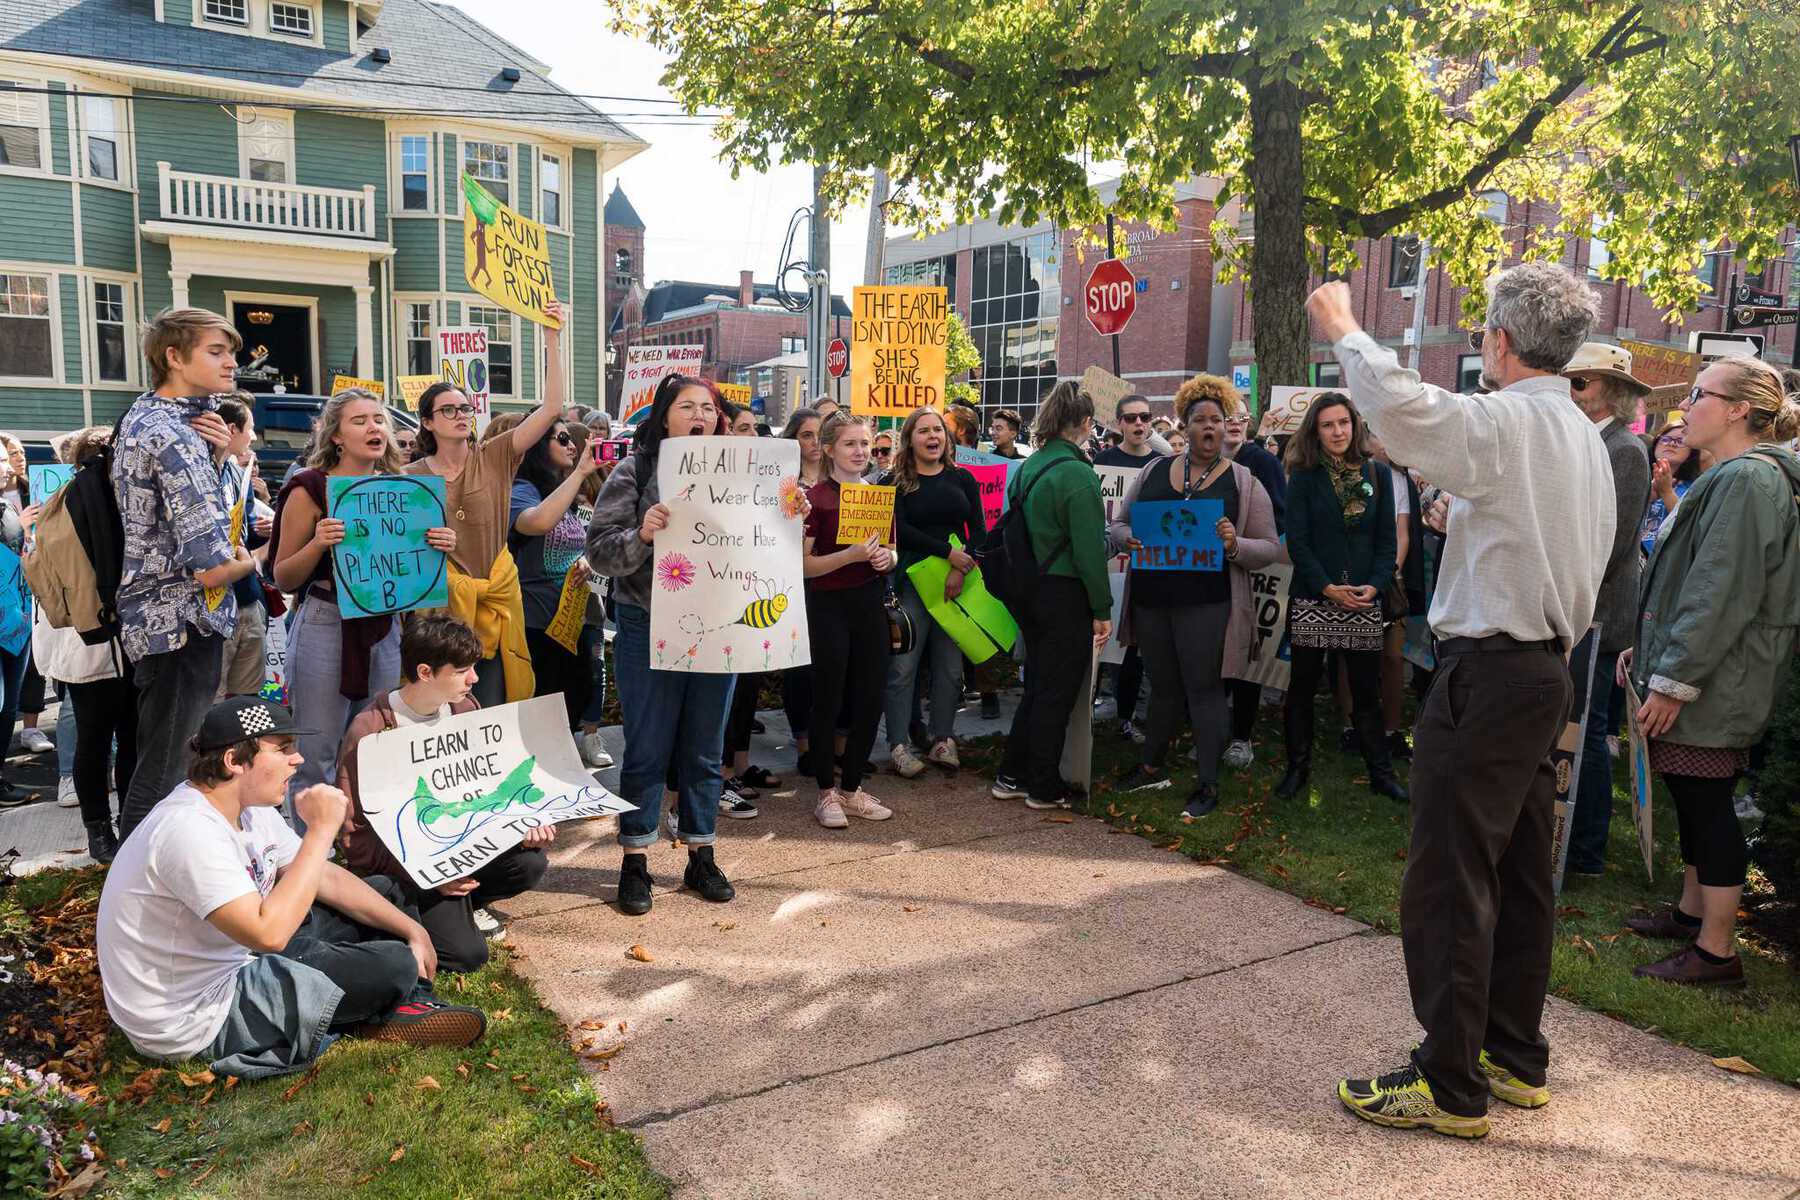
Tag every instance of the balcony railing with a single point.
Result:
(248, 203)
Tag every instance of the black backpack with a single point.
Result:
(1009, 564)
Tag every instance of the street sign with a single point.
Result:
(1756, 316)
(1726, 345)
(837, 358)
(1746, 294)
(1111, 297)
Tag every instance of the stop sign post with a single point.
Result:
(1110, 297)
(837, 358)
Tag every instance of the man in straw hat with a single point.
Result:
(1603, 387)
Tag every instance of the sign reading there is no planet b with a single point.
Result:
(384, 565)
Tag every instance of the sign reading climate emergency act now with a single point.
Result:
(898, 339)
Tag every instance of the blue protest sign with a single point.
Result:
(1178, 535)
(383, 564)
(15, 603)
(47, 479)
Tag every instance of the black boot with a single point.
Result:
(102, 844)
(703, 876)
(634, 885)
(1376, 755)
(1297, 724)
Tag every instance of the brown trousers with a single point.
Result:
(1477, 908)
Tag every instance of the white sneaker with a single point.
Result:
(35, 741)
(943, 754)
(65, 793)
(829, 812)
(1239, 755)
(593, 752)
(736, 807)
(860, 804)
(906, 764)
(489, 925)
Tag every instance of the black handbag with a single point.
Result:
(901, 634)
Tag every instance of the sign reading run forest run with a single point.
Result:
(384, 565)
(898, 343)
(506, 257)
(726, 592)
(450, 797)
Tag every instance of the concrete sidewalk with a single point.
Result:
(972, 1000)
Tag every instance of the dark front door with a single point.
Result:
(277, 347)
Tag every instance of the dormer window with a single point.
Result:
(294, 20)
(230, 12)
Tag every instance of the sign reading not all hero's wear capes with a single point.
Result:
(449, 797)
(726, 593)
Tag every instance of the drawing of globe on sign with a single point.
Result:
(384, 564)
(1179, 524)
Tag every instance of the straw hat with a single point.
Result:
(1608, 362)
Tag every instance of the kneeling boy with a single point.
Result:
(437, 670)
(223, 935)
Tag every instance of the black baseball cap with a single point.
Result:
(241, 718)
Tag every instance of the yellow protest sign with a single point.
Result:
(898, 338)
(865, 511)
(571, 613)
(342, 382)
(737, 393)
(412, 389)
(506, 257)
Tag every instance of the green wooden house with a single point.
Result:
(292, 164)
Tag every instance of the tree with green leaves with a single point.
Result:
(1334, 121)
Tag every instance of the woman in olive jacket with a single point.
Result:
(1719, 615)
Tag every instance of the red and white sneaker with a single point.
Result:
(424, 1020)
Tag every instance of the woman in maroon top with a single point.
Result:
(844, 593)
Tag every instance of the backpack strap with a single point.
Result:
(1792, 487)
(1025, 494)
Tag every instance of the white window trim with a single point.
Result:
(127, 151)
(397, 173)
(314, 19)
(486, 138)
(310, 303)
(257, 24)
(45, 169)
(402, 302)
(58, 375)
(568, 358)
(207, 18)
(565, 162)
(517, 366)
(247, 112)
(90, 324)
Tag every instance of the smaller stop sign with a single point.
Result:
(1110, 297)
(837, 357)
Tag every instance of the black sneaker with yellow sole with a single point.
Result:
(1402, 1100)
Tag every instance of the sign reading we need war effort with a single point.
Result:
(463, 364)
(645, 367)
(898, 340)
(726, 586)
(506, 257)
(384, 565)
(450, 797)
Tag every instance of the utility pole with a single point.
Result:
(1117, 370)
(875, 253)
(818, 280)
(1417, 357)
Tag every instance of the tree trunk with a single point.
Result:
(1278, 268)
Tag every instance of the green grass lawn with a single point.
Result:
(1341, 848)
(514, 1115)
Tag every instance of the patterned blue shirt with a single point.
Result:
(174, 513)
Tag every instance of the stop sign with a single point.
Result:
(1110, 297)
(837, 358)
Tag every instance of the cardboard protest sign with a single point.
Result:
(975, 620)
(1662, 366)
(506, 257)
(1287, 408)
(342, 383)
(275, 661)
(463, 364)
(645, 367)
(1107, 390)
(1639, 749)
(571, 613)
(992, 473)
(1270, 663)
(727, 594)
(865, 510)
(449, 797)
(1178, 535)
(47, 479)
(899, 337)
(383, 565)
(1565, 757)
(412, 389)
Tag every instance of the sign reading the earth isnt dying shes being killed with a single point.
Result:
(899, 340)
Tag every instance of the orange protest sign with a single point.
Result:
(898, 343)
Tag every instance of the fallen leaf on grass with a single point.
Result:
(162, 1126)
(1279, 871)
(638, 952)
(603, 1055)
(369, 1099)
(301, 1130)
(428, 1084)
(398, 1154)
(163, 1173)
(1586, 947)
(198, 1079)
(492, 1066)
(527, 1089)
(1059, 819)
(500, 1014)
(209, 1170)
(1737, 1065)
(294, 1089)
(206, 1097)
(1174, 845)
(83, 1183)
(724, 926)
(1610, 938)
(1569, 910)
(462, 1070)
(231, 1081)
(1400, 854)
(592, 1025)
(584, 1164)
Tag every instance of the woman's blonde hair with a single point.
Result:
(326, 454)
(1217, 388)
(906, 473)
(836, 424)
(1064, 408)
(1774, 415)
(504, 423)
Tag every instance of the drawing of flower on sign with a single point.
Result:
(675, 571)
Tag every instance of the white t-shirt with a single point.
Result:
(168, 974)
(404, 714)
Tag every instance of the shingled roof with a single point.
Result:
(430, 44)
(620, 212)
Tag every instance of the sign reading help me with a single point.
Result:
(449, 797)
(383, 565)
(1178, 535)
(726, 593)
(506, 257)
(898, 341)
(865, 510)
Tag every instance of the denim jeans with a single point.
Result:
(672, 718)
(903, 670)
(174, 692)
(1594, 790)
(315, 650)
(12, 690)
(593, 650)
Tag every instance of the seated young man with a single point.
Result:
(223, 935)
(437, 672)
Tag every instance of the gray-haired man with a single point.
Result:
(1529, 534)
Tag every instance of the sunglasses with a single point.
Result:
(1134, 418)
(882, 451)
(1579, 384)
(563, 439)
(453, 410)
(1476, 337)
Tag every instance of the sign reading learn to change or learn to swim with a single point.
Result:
(898, 341)
(726, 592)
(384, 565)
(449, 797)
(1178, 535)
(865, 510)
(506, 257)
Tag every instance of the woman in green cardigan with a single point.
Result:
(1341, 538)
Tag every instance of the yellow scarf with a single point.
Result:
(495, 608)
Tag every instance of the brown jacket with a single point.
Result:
(364, 851)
